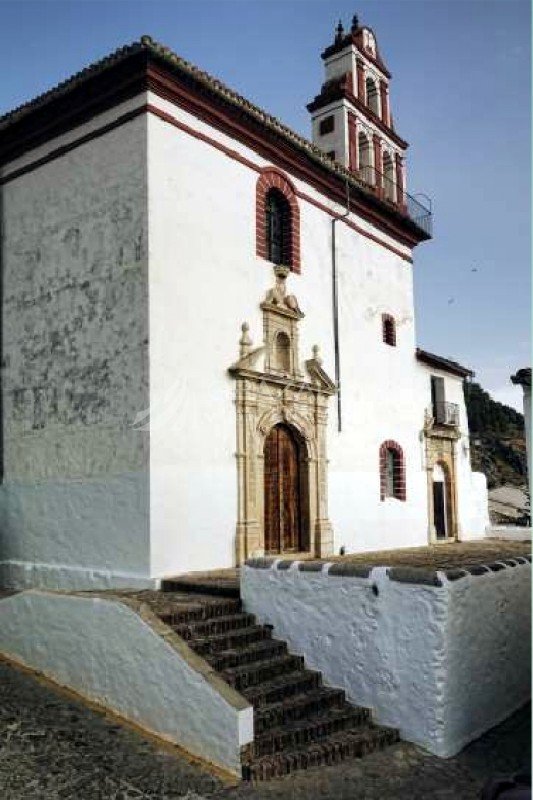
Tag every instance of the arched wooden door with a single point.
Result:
(283, 491)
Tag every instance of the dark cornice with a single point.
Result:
(445, 364)
(522, 377)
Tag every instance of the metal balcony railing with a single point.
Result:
(444, 413)
(393, 193)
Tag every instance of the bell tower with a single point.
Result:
(351, 117)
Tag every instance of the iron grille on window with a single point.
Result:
(278, 228)
(392, 475)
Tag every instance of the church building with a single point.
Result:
(209, 346)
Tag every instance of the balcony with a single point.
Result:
(394, 194)
(444, 413)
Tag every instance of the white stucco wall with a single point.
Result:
(205, 280)
(84, 316)
(411, 652)
(74, 499)
(106, 652)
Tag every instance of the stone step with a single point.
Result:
(283, 686)
(207, 627)
(218, 642)
(292, 735)
(338, 747)
(298, 722)
(257, 651)
(218, 588)
(178, 613)
(313, 703)
(260, 672)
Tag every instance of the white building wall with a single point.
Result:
(205, 280)
(74, 499)
(74, 503)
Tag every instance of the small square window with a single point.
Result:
(327, 125)
(331, 154)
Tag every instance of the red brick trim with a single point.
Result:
(246, 162)
(399, 470)
(388, 329)
(272, 178)
(169, 119)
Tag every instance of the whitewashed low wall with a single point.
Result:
(128, 661)
(442, 657)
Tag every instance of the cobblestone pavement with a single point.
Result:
(52, 747)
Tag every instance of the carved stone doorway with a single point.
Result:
(281, 437)
(286, 495)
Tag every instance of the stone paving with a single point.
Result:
(53, 746)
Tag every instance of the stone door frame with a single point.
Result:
(440, 446)
(264, 401)
(272, 388)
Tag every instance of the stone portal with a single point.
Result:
(281, 437)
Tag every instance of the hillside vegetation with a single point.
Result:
(497, 438)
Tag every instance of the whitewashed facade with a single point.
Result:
(131, 260)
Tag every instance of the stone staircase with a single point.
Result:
(298, 722)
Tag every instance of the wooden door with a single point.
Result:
(282, 491)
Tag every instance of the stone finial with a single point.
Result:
(355, 23)
(339, 32)
(316, 355)
(245, 342)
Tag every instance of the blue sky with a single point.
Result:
(461, 95)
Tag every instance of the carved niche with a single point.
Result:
(272, 388)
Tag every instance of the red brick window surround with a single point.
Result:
(388, 325)
(273, 180)
(392, 471)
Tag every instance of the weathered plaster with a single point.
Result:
(75, 363)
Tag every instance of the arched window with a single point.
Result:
(278, 227)
(365, 159)
(389, 329)
(392, 471)
(282, 352)
(372, 96)
(389, 188)
(277, 219)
